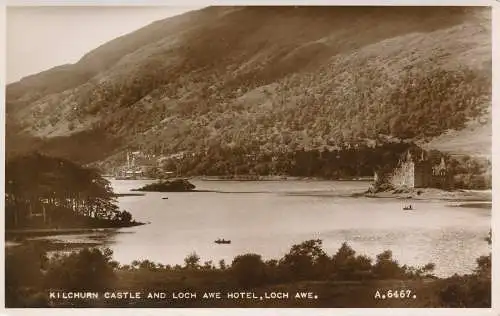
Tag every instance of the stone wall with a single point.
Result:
(423, 175)
(403, 176)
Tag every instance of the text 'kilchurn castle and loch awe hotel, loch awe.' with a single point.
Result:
(290, 156)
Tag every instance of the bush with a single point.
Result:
(23, 274)
(347, 266)
(88, 270)
(465, 291)
(387, 268)
(23, 266)
(147, 265)
(124, 216)
(94, 270)
(249, 270)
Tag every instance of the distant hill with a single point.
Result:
(270, 78)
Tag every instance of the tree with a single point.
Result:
(192, 261)
(473, 290)
(147, 265)
(304, 258)
(62, 191)
(249, 270)
(348, 266)
(387, 268)
(125, 216)
(222, 264)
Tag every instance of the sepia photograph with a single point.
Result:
(248, 156)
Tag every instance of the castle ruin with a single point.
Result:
(416, 173)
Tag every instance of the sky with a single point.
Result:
(39, 38)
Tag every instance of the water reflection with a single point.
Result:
(277, 215)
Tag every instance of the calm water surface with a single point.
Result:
(268, 217)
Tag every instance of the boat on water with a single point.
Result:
(408, 208)
(222, 241)
(164, 198)
(407, 205)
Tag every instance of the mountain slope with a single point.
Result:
(269, 78)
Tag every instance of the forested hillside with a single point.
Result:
(270, 79)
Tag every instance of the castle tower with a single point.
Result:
(408, 156)
(404, 175)
(442, 165)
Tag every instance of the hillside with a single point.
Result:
(264, 78)
(474, 139)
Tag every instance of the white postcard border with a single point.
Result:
(495, 310)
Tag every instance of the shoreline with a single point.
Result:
(14, 234)
(273, 178)
(427, 194)
(456, 198)
(128, 194)
(250, 178)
